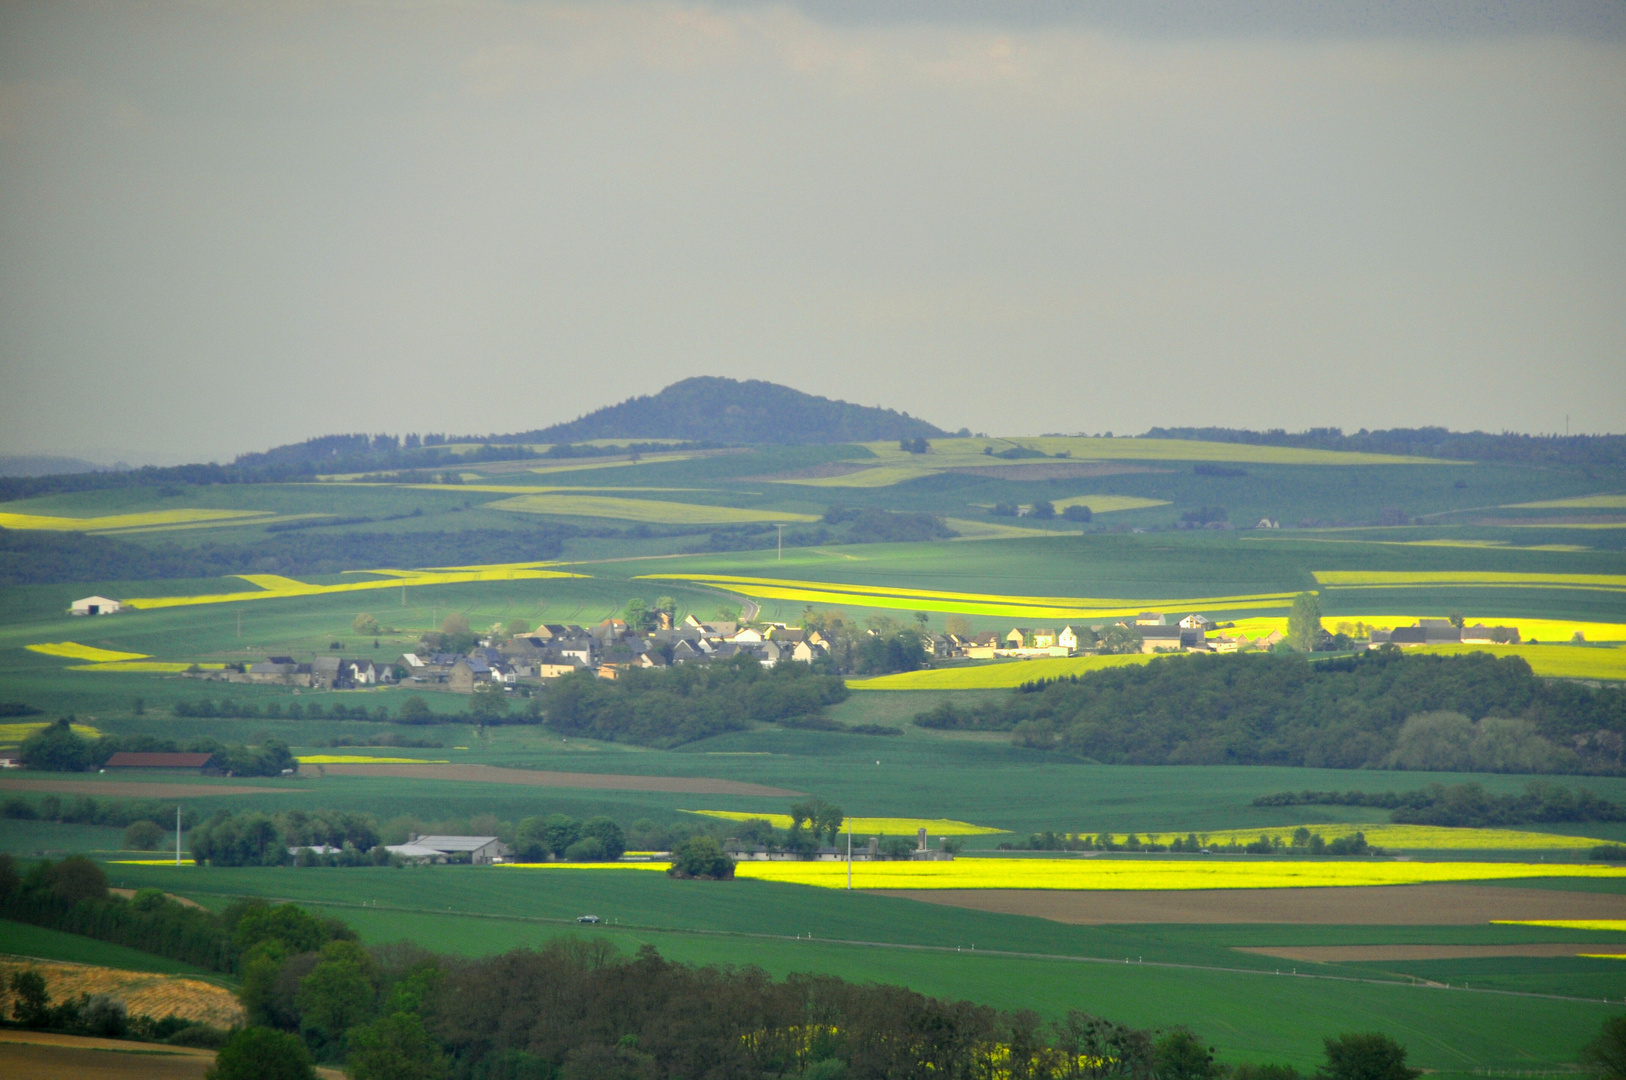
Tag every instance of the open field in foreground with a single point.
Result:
(1381, 905)
(487, 774)
(39, 1056)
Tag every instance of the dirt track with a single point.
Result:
(1379, 905)
(1338, 954)
(489, 774)
(154, 790)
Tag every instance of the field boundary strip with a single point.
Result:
(652, 511)
(71, 650)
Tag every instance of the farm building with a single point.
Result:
(202, 764)
(94, 605)
(481, 850)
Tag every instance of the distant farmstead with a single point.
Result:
(95, 605)
(124, 760)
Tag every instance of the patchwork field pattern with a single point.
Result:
(108, 522)
(651, 511)
(275, 586)
(1014, 607)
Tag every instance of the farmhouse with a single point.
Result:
(94, 605)
(201, 764)
(479, 850)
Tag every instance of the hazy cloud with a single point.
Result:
(228, 226)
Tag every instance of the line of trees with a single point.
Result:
(1467, 805)
(671, 706)
(1377, 709)
(56, 747)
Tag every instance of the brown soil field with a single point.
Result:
(490, 774)
(137, 788)
(143, 993)
(1337, 954)
(1375, 905)
(38, 1055)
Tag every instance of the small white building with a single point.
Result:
(1068, 638)
(95, 605)
(1196, 622)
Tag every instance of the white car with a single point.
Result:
(588, 919)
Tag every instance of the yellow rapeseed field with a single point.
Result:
(996, 676)
(74, 651)
(1404, 837)
(1398, 579)
(275, 586)
(1551, 661)
(352, 759)
(12, 734)
(1158, 874)
(147, 667)
(653, 511)
(1054, 608)
(868, 826)
(1609, 925)
(124, 521)
(1581, 502)
(1106, 504)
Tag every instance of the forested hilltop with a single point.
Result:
(726, 410)
(1508, 447)
(1380, 709)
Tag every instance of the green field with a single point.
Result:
(20, 939)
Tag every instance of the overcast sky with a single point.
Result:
(225, 226)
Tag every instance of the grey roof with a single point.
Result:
(453, 843)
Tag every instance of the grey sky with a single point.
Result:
(226, 226)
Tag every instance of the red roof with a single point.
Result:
(126, 760)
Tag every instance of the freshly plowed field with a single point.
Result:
(1349, 954)
(135, 788)
(1378, 905)
(143, 993)
(487, 774)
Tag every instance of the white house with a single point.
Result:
(95, 605)
(1151, 618)
(747, 636)
(1067, 639)
(1196, 622)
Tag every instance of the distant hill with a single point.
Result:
(42, 465)
(712, 409)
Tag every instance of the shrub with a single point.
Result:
(143, 835)
(701, 857)
(1369, 1055)
(55, 748)
(257, 1053)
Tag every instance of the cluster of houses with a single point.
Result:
(871, 851)
(608, 649)
(1154, 629)
(1444, 631)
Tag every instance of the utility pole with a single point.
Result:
(849, 854)
(239, 625)
(781, 529)
(178, 837)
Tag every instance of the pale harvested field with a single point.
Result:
(143, 993)
(1349, 954)
(1376, 905)
(156, 790)
(183, 901)
(1056, 471)
(489, 774)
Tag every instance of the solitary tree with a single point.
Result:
(258, 1053)
(1304, 622)
(1367, 1055)
(1606, 1056)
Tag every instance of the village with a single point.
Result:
(528, 658)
